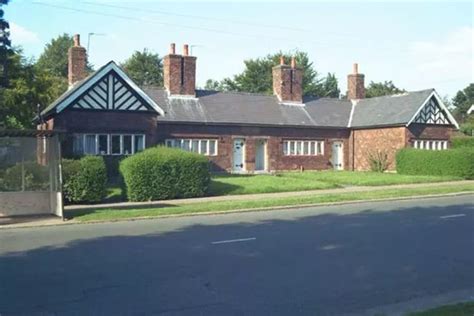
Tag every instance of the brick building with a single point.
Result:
(107, 114)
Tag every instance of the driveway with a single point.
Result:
(346, 259)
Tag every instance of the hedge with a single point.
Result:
(462, 141)
(164, 173)
(454, 162)
(84, 180)
(36, 177)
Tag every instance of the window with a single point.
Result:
(303, 148)
(90, 147)
(103, 144)
(430, 144)
(206, 147)
(116, 146)
(107, 144)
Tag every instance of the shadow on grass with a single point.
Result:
(327, 264)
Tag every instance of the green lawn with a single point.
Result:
(295, 181)
(200, 207)
(462, 309)
(310, 180)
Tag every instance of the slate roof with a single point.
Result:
(395, 109)
(214, 107)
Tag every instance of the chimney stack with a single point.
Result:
(355, 84)
(288, 82)
(77, 61)
(179, 72)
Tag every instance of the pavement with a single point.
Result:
(355, 259)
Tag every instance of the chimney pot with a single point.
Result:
(282, 60)
(77, 40)
(355, 68)
(185, 50)
(293, 62)
(172, 48)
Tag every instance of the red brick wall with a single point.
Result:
(274, 137)
(367, 141)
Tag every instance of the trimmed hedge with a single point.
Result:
(462, 141)
(36, 177)
(454, 162)
(164, 173)
(84, 180)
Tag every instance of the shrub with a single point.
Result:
(35, 177)
(164, 173)
(84, 180)
(454, 162)
(462, 141)
(378, 161)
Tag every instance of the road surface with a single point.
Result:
(336, 260)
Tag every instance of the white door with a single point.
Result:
(260, 155)
(238, 156)
(338, 155)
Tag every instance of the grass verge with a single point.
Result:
(201, 207)
(461, 309)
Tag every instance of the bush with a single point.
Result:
(36, 177)
(454, 162)
(164, 173)
(378, 161)
(462, 141)
(84, 180)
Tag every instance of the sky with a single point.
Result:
(417, 45)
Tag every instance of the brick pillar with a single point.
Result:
(179, 72)
(288, 82)
(77, 61)
(355, 85)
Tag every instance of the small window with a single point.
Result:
(445, 145)
(103, 144)
(212, 147)
(127, 145)
(306, 148)
(298, 148)
(312, 150)
(169, 143)
(90, 147)
(78, 144)
(292, 148)
(195, 145)
(203, 147)
(186, 144)
(320, 148)
(139, 143)
(285, 148)
(116, 145)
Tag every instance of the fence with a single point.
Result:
(30, 175)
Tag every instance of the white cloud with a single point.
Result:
(447, 59)
(20, 35)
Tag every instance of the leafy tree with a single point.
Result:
(213, 85)
(257, 77)
(145, 68)
(5, 46)
(377, 89)
(54, 58)
(464, 99)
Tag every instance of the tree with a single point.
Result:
(5, 46)
(257, 77)
(54, 58)
(463, 100)
(377, 89)
(145, 68)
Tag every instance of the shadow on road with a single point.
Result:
(320, 264)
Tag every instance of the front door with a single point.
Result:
(238, 155)
(338, 155)
(260, 155)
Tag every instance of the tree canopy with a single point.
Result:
(378, 89)
(464, 99)
(257, 77)
(145, 68)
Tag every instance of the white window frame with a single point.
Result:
(318, 144)
(98, 144)
(436, 144)
(179, 143)
(111, 145)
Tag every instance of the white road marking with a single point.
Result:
(452, 216)
(232, 240)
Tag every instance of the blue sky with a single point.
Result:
(418, 45)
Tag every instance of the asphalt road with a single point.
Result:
(336, 260)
